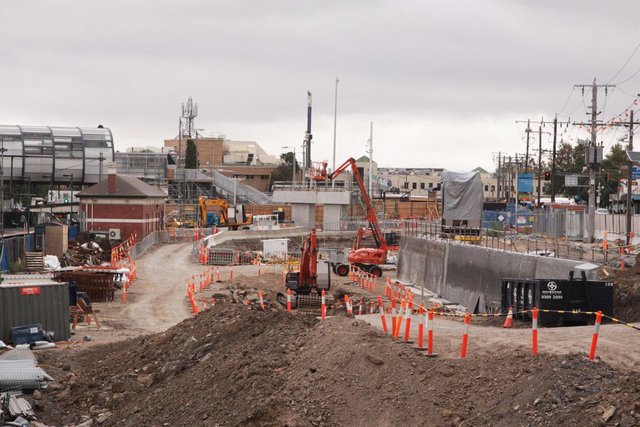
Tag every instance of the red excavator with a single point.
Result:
(367, 259)
(307, 284)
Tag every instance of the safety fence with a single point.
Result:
(122, 261)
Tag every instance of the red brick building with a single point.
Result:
(122, 203)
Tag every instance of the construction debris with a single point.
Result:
(87, 253)
(18, 371)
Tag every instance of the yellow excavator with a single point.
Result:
(216, 212)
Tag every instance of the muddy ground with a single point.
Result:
(153, 363)
(236, 365)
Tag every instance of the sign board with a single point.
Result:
(525, 183)
(635, 172)
(31, 290)
(571, 180)
(521, 220)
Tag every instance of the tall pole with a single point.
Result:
(539, 161)
(371, 159)
(593, 169)
(553, 159)
(335, 125)
(629, 181)
(498, 175)
(526, 163)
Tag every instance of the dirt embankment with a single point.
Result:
(235, 365)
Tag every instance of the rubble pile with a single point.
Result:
(236, 365)
(86, 253)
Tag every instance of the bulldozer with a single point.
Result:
(307, 284)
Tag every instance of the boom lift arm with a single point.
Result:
(367, 259)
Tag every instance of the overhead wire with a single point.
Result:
(625, 63)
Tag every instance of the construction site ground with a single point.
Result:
(154, 363)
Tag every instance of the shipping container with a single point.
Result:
(33, 302)
(572, 295)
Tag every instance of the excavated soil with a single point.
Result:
(235, 365)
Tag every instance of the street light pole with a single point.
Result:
(335, 124)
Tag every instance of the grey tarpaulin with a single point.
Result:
(462, 196)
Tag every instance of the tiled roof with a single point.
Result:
(126, 186)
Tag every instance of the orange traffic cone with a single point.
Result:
(508, 322)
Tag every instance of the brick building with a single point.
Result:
(122, 203)
(244, 160)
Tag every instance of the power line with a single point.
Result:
(625, 63)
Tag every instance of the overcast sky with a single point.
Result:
(443, 82)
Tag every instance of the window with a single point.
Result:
(493, 188)
(249, 176)
(486, 188)
(430, 185)
(422, 185)
(406, 185)
(414, 185)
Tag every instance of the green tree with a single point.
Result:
(569, 161)
(614, 169)
(284, 172)
(191, 156)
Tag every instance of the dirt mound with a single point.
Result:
(626, 298)
(234, 365)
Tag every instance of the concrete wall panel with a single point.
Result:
(471, 275)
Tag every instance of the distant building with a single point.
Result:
(244, 160)
(422, 181)
(123, 205)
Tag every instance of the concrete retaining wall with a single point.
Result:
(471, 275)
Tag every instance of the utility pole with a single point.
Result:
(528, 131)
(629, 215)
(594, 156)
(371, 159)
(539, 162)
(553, 159)
(629, 180)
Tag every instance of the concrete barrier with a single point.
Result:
(471, 275)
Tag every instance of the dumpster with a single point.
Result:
(574, 295)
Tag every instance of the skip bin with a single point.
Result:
(46, 303)
(574, 296)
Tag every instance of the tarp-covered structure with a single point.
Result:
(462, 196)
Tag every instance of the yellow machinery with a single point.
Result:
(217, 211)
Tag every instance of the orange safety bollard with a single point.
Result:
(387, 288)
(393, 316)
(430, 319)
(630, 242)
(382, 316)
(534, 331)
(323, 305)
(218, 277)
(231, 274)
(596, 332)
(396, 332)
(259, 270)
(204, 303)
(423, 318)
(289, 300)
(360, 307)
(213, 301)
(124, 295)
(261, 300)
(465, 336)
(407, 322)
(347, 304)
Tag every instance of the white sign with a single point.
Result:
(571, 180)
(500, 218)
